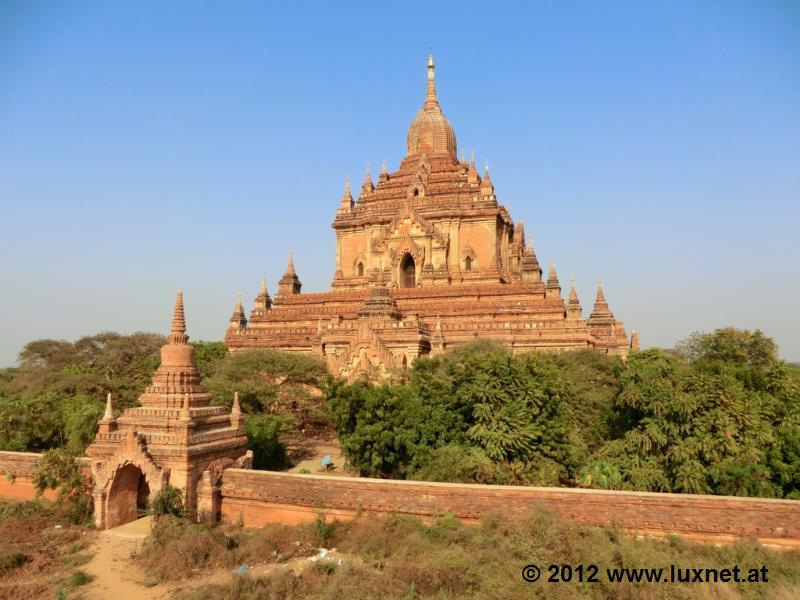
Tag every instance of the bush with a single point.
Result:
(10, 560)
(262, 438)
(177, 548)
(79, 578)
(57, 470)
(168, 501)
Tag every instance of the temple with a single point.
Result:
(175, 437)
(426, 259)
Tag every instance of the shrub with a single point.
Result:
(168, 501)
(10, 560)
(262, 438)
(79, 578)
(57, 470)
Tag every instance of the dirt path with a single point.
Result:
(114, 574)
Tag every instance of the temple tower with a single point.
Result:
(172, 438)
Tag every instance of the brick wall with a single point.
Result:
(259, 497)
(16, 476)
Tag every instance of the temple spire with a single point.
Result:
(367, 186)
(430, 98)
(289, 284)
(601, 314)
(487, 189)
(262, 303)
(573, 304)
(237, 418)
(472, 172)
(178, 333)
(238, 320)
(553, 287)
(109, 414)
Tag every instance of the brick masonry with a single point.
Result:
(17, 470)
(258, 497)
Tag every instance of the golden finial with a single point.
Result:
(431, 96)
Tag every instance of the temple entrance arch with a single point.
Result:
(127, 495)
(408, 272)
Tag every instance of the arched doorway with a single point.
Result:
(408, 272)
(127, 495)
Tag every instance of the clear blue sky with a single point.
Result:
(151, 146)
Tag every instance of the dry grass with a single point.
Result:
(399, 557)
(38, 550)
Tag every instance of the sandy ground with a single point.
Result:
(311, 451)
(115, 575)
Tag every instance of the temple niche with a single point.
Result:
(426, 259)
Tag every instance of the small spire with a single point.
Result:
(109, 414)
(463, 159)
(430, 99)
(438, 323)
(553, 287)
(238, 320)
(263, 291)
(178, 333)
(551, 275)
(367, 187)
(186, 413)
(383, 168)
(486, 170)
(600, 296)
(236, 409)
(472, 161)
(600, 311)
(347, 187)
(573, 304)
(290, 266)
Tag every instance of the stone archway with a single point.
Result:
(408, 272)
(127, 495)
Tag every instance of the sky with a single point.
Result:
(147, 147)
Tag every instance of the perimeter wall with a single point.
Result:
(258, 497)
(255, 498)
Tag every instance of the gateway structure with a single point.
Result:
(426, 259)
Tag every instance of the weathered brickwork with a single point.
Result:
(427, 259)
(172, 438)
(17, 470)
(259, 497)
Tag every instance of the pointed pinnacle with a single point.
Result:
(109, 414)
(178, 317)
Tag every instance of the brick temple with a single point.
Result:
(175, 437)
(426, 259)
